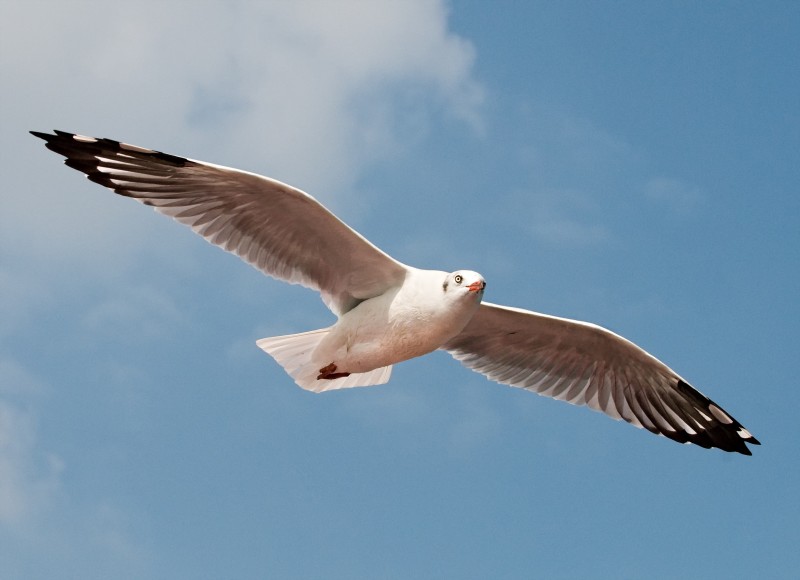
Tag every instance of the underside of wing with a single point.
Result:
(585, 364)
(280, 230)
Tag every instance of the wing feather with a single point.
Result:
(280, 230)
(585, 364)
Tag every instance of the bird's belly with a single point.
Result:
(373, 340)
(396, 345)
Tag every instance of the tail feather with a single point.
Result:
(294, 352)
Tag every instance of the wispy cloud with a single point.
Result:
(28, 477)
(560, 217)
(287, 93)
(21, 294)
(137, 312)
(675, 195)
(574, 171)
(311, 93)
(44, 530)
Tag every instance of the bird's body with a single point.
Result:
(406, 321)
(389, 312)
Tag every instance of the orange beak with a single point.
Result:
(476, 286)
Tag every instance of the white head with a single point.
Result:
(464, 283)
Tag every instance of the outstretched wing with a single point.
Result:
(585, 364)
(280, 230)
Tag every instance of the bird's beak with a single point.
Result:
(477, 286)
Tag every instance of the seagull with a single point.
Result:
(388, 312)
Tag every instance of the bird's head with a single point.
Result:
(464, 283)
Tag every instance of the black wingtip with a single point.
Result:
(40, 135)
(66, 143)
(723, 432)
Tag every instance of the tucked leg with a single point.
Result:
(329, 373)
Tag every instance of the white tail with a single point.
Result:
(294, 352)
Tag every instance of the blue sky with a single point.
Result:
(631, 164)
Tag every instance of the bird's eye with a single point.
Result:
(459, 278)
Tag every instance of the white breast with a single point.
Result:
(409, 321)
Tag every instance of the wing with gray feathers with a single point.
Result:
(280, 230)
(585, 364)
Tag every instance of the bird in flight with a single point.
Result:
(389, 312)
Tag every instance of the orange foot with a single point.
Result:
(329, 373)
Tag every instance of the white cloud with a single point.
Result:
(322, 87)
(306, 91)
(309, 92)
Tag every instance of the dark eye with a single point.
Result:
(458, 278)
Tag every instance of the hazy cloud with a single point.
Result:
(675, 195)
(309, 92)
(136, 312)
(20, 295)
(561, 217)
(305, 91)
(26, 487)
